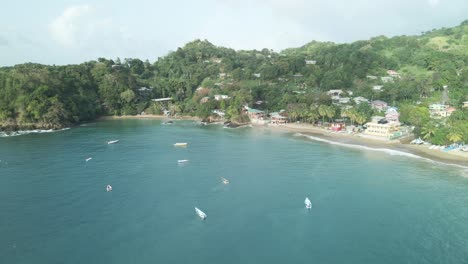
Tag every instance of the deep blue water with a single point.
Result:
(368, 207)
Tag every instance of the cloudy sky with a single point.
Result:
(73, 31)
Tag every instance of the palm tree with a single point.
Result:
(454, 136)
(312, 115)
(330, 112)
(361, 119)
(428, 131)
(322, 110)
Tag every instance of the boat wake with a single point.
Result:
(26, 132)
(383, 150)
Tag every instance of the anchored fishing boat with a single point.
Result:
(200, 213)
(307, 203)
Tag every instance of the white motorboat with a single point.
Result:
(182, 161)
(112, 142)
(88, 159)
(200, 213)
(225, 181)
(109, 188)
(307, 203)
(181, 144)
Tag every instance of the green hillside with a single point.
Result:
(296, 79)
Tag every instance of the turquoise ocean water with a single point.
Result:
(368, 207)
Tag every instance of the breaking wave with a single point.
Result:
(383, 150)
(26, 132)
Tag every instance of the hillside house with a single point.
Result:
(379, 105)
(204, 99)
(465, 104)
(219, 97)
(393, 73)
(371, 77)
(310, 62)
(377, 87)
(392, 114)
(386, 79)
(360, 99)
(336, 92)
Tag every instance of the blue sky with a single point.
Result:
(65, 32)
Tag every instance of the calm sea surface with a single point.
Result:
(368, 207)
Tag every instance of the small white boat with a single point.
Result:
(307, 203)
(112, 142)
(109, 188)
(225, 181)
(184, 144)
(200, 213)
(182, 161)
(88, 159)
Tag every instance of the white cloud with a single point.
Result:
(77, 25)
(433, 3)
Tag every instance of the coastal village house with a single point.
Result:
(377, 87)
(360, 99)
(278, 119)
(202, 91)
(393, 73)
(386, 79)
(379, 105)
(384, 130)
(465, 104)
(310, 62)
(371, 77)
(255, 114)
(337, 92)
(392, 114)
(440, 110)
(204, 99)
(219, 97)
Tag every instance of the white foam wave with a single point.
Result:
(26, 132)
(384, 150)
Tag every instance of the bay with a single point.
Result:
(368, 207)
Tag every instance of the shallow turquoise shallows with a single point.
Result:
(367, 206)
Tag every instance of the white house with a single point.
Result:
(344, 100)
(257, 75)
(360, 99)
(377, 87)
(310, 62)
(336, 92)
(219, 97)
(386, 79)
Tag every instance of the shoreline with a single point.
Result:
(453, 157)
(157, 117)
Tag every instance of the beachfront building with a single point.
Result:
(255, 114)
(360, 99)
(392, 114)
(379, 105)
(278, 119)
(219, 97)
(386, 130)
(219, 112)
(337, 127)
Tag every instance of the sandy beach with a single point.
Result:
(452, 157)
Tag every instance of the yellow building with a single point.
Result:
(388, 130)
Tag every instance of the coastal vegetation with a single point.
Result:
(432, 67)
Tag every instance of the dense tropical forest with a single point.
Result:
(296, 79)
